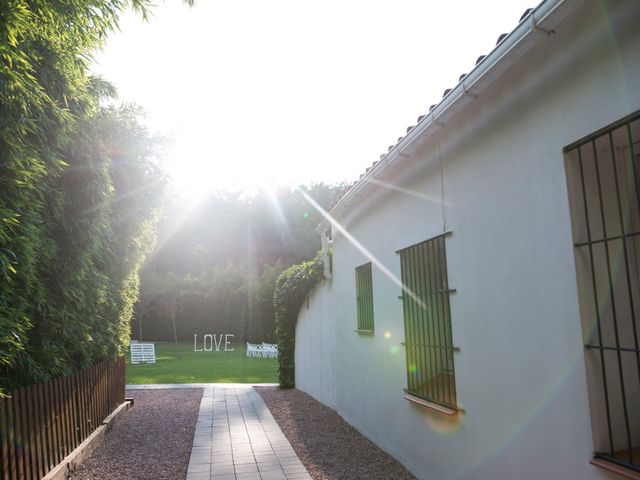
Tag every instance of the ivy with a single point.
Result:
(292, 288)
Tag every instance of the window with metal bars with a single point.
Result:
(603, 179)
(364, 297)
(427, 323)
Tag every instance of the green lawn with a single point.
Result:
(180, 364)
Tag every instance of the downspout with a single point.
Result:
(326, 255)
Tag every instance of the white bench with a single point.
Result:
(143, 353)
(264, 350)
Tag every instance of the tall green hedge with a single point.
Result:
(68, 300)
(292, 288)
(78, 189)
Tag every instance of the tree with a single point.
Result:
(225, 258)
(69, 248)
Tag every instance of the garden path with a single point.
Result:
(237, 438)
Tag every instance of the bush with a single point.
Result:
(292, 288)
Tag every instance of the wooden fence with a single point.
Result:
(41, 424)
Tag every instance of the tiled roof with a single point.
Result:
(446, 92)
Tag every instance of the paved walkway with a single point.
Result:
(236, 438)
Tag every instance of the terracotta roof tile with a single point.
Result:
(448, 90)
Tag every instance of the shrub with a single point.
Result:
(292, 288)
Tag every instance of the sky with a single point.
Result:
(255, 94)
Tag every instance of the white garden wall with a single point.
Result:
(520, 371)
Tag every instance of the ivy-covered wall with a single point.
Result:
(292, 288)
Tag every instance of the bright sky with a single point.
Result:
(256, 93)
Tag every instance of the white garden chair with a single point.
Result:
(269, 350)
(264, 350)
(252, 350)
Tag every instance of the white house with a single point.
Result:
(510, 213)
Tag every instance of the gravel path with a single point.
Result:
(151, 441)
(328, 447)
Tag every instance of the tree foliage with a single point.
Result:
(292, 288)
(78, 187)
(226, 299)
(251, 230)
(215, 269)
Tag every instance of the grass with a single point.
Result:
(180, 364)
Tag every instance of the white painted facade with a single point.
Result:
(493, 175)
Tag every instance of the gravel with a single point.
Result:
(328, 446)
(150, 441)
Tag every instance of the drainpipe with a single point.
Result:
(326, 261)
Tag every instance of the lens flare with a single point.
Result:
(444, 424)
(413, 193)
(373, 259)
(272, 198)
(394, 350)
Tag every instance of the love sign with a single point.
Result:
(213, 340)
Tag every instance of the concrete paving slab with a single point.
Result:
(237, 438)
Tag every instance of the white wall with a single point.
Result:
(520, 371)
(315, 353)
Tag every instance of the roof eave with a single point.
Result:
(531, 30)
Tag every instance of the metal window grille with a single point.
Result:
(364, 297)
(603, 178)
(427, 322)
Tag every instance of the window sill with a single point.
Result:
(364, 332)
(615, 468)
(433, 406)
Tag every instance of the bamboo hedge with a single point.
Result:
(79, 190)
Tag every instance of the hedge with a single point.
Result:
(292, 288)
(78, 190)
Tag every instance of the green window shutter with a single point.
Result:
(427, 322)
(364, 297)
